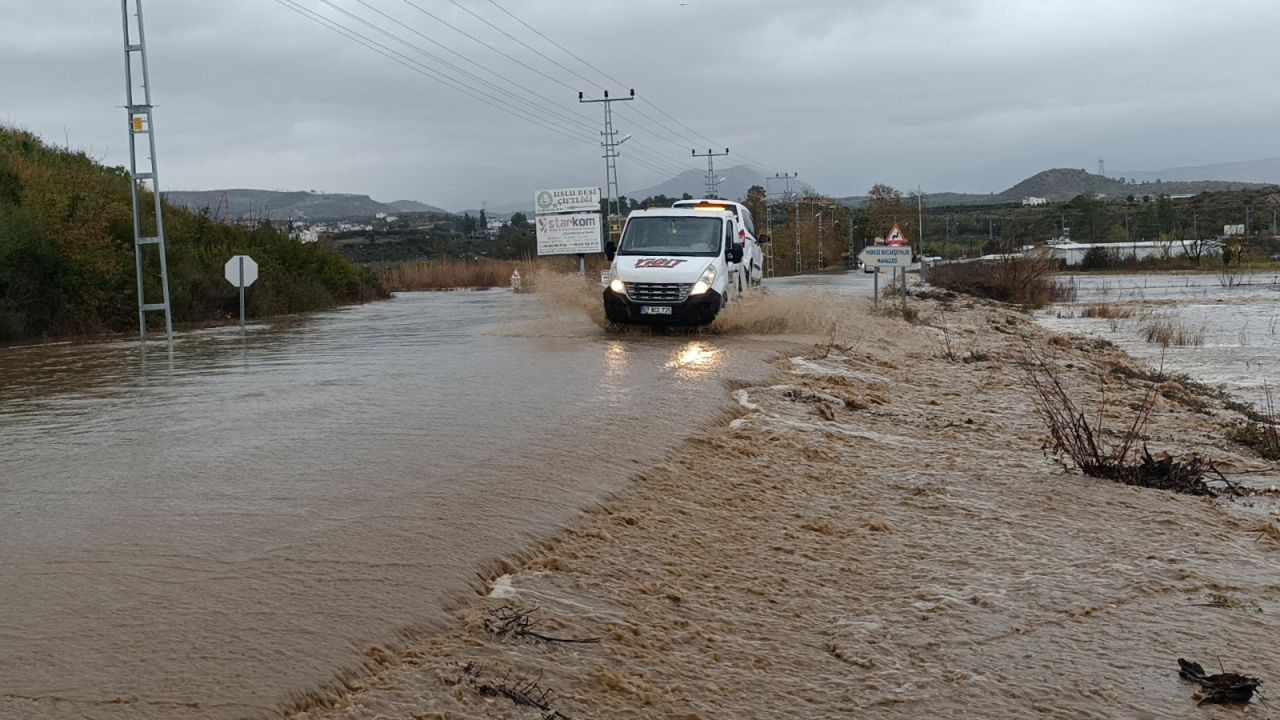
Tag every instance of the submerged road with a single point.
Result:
(215, 531)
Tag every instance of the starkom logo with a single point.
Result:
(565, 222)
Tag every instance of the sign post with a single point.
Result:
(241, 271)
(569, 223)
(890, 256)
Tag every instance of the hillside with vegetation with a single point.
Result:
(244, 204)
(67, 258)
(1064, 184)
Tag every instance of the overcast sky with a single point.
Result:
(946, 94)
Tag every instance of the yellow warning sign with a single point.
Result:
(137, 124)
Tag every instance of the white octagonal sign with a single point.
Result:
(233, 270)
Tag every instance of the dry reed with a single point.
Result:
(1167, 331)
(1098, 452)
(1022, 280)
(1108, 311)
(453, 274)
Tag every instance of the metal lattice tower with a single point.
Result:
(713, 182)
(787, 177)
(140, 123)
(610, 144)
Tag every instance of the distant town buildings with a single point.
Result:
(1032, 200)
(1073, 253)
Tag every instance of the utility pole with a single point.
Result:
(920, 220)
(818, 216)
(799, 266)
(768, 217)
(610, 144)
(140, 123)
(713, 183)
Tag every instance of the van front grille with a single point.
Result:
(658, 292)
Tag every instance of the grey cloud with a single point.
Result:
(967, 96)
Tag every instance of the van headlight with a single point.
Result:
(705, 282)
(618, 286)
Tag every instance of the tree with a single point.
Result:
(1148, 225)
(884, 209)
(1093, 218)
(1166, 215)
(755, 202)
(519, 220)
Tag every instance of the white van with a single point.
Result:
(747, 238)
(674, 266)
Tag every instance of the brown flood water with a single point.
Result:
(217, 531)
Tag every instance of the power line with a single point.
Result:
(646, 101)
(550, 106)
(459, 30)
(421, 68)
(550, 109)
(524, 44)
(640, 153)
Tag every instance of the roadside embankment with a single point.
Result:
(875, 533)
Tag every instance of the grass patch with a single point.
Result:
(1171, 332)
(455, 274)
(448, 274)
(1107, 311)
(1259, 432)
(1027, 281)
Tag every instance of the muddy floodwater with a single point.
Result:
(1230, 335)
(215, 531)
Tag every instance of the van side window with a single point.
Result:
(750, 221)
(728, 234)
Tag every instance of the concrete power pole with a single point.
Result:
(141, 123)
(610, 144)
(713, 183)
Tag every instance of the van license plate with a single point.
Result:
(655, 309)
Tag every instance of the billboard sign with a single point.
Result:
(568, 200)
(574, 234)
(1232, 230)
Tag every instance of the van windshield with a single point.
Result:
(672, 236)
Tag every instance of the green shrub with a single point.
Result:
(1027, 281)
(67, 257)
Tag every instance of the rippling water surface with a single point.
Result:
(209, 532)
(1239, 327)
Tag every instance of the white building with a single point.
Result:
(1072, 253)
(1032, 200)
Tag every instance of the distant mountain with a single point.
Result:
(737, 181)
(413, 206)
(243, 204)
(1265, 171)
(1062, 184)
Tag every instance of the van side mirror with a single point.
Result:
(735, 254)
(763, 240)
(610, 250)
